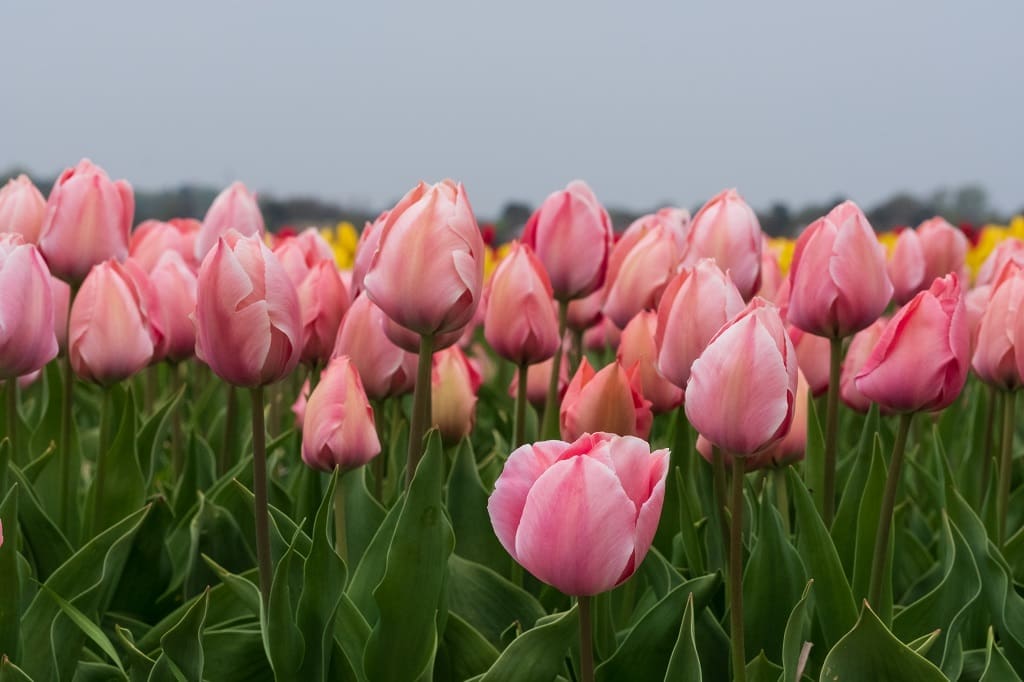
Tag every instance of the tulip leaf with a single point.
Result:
(467, 505)
(997, 668)
(183, 644)
(795, 646)
(12, 673)
(487, 601)
(10, 593)
(844, 525)
(370, 569)
(538, 654)
(867, 529)
(363, 514)
(239, 655)
(814, 455)
(89, 628)
(684, 662)
(121, 487)
(760, 669)
(139, 664)
(154, 431)
(43, 540)
(282, 639)
(464, 652)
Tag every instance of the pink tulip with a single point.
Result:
(906, 267)
(861, 345)
(637, 348)
(175, 283)
(87, 221)
(521, 320)
(151, 307)
(638, 273)
(338, 431)
(303, 252)
(369, 240)
(454, 383)
(235, 208)
(944, 248)
(602, 336)
(299, 406)
(695, 305)
(427, 272)
(771, 275)
(813, 355)
(323, 301)
(571, 234)
(920, 362)
(675, 220)
(975, 302)
(385, 369)
(1008, 251)
(248, 322)
(580, 517)
(608, 400)
(22, 208)
(839, 282)
(152, 238)
(537, 379)
(995, 358)
(61, 309)
(27, 339)
(726, 230)
(584, 313)
(110, 335)
(409, 341)
(742, 390)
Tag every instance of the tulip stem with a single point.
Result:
(519, 437)
(259, 489)
(177, 451)
(576, 346)
(99, 482)
(986, 460)
(892, 482)
(1005, 465)
(230, 424)
(549, 424)
(718, 468)
(340, 530)
(421, 408)
(68, 488)
(739, 661)
(782, 496)
(586, 640)
(831, 432)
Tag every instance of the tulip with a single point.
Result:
(771, 275)
(608, 400)
(1005, 252)
(521, 321)
(454, 383)
(385, 369)
(638, 348)
(812, 357)
(61, 307)
(906, 267)
(175, 283)
(726, 230)
(299, 406)
(88, 218)
(248, 322)
(639, 272)
(995, 359)
(235, 208)
(602, 336)
(22, 208)
(323, 300)
(409, 340)
(303, 252)
(861, 345)
(338, 430)
(152, 238)
(584, 313)
(27, 339)
(537, 379)
(151, 307)
(975, 302)
(944, 248)
(369, 240)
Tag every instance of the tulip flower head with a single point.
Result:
(338, 430)
(27, 339)
(22, 208)
(454, 384)
(385, 369)
(152, 238)
(236, 209)
(521, 321)
(638, 348)
(861, 345)
(726, 230)
(997, 358)
(607, 400)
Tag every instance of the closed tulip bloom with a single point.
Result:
(236, 209)
(408, 340)
(521, 321)
(906, 267)
(427, 272)
(638, 274)
(602, 336)
(338, 431)
(110, 337)
(1009, 250)
(580, 517)
(637, 348)
(151, 307)
(537, 379)
(22, 208)
(299, 406)
(248, 322)
(152, 238)
(301, 253)
(944, 247)
(61, 307)
(584, 313)
(995, 358)
(323, 301)
(608, 400)
(812, 357)
(742, 390)
(726, 230)
(88, 218)
(27, 339)
(385, 369)
(771, 275)
(175, 283)
(920, 362)
(839, 281)
(369, 240)
(454, 383)
(695, 305)
(975, 302)
(571, 233)
(861, 345)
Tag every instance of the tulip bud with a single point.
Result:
(454, 383)
(584, 313)
(813, 357)
(537, 379)
(975, 302)
(906, 267)
(726, 230)
(521, 321)
(175, 283)
(236, 209)
(27, 339)
(944, 248)
(152, 238)
(151, 307)
(638, 272)
(385, 369)
(771, 275)
(1009, 250)
(323, 301)
(61, 307)
(22, 208)
(995, 359)
(301, 253)
(338, 430)
(608, 400)
(369, 240)
(637, 348)
(602, 336)
(861, 345)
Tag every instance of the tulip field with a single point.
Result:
(681, 452)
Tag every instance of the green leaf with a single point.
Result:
(465, 653)
(487, 601)
(282, 639)
(688, 528)
(240, 656)
(350, 634)
(183, 644)
(10, 593)
(814, 455)
(537, 654)
(923, 644)
(997, 668)
(245, 588)
(684, 663)
(760, 669)
(370, 569)
(139, 664)
(794, 642)
(154, 431)
(363, 514)
(91, 630)
(43, 540)
(12, 673)
(122, 488)
(867, 528)
(467, 505)
(844, 525)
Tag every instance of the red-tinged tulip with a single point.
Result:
(301, 253)
(88, 218)
(537, 379)
(110, 336)
(22, 208)
(323, 301)
(945, 249)
(920, 362)
(695, 305)
(152, 238)
(1008, 251)
(571, 234)
(861, 345)
(726, 230)
(427, 272)
(385, 369)
(975, 302)
(602, 336)
(338, 430)
(521, 320)
(813, 354)
(248, 322)
(454, 383)
(839, 281)
(608, 400)
(584, 313)
(906, 267)
(639, 273)
(236, 209)
(742, 390)
(580, 517)
(175, 284)
(637, 348)
(61, 307)
(27, 339)
(995, 358)
(369, 240)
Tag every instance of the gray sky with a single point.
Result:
(648, 101)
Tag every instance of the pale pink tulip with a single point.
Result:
(813, 355)
(454, 383)
(385, 369)
(861, 345)
(27, 339)
(369, 240)
(944, 248)
(152, 238)
(996, 357)
(906, 267)
(584, 313)
(303, 252)
(235, 208)
(323, 301)
(175, 283)
(1008, 251)
(639, 273)
(338, 430)
(22, 208)
(521, 320)
(726, 230)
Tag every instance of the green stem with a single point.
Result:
(68, 476)
(986, 460)
(549, 424)
(718, 468)
(880, 558)
(12, 416)
(230, 424)
(576, 350)
(177, 438)
(99, 483)
(1005, 465)
(739, 661)
(682, 456)
(782, 496)
(259, 489)
(586, 640)
(421, 408)
(519, 437)
(831, 432)
(340, 530)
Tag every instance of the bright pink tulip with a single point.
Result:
(813, 355)
(1008, 251)
(386, 369)
(608, 400)
(88, 218)
(996, 358)
(695, 305)
(639, 273)
(906, 267)
(742, 390)
(369, 240)
(726, 230)
(22, 208)
(323, 301)
(152, 238)
(61, 308)
(27, 339)
(537, 379)
(248, 322)
(521, 320)
(110, 336)
(454, 383)
(175, 284)
(944, 247)
(428, 270)
(584, 313)
(861, 345)
(571, 234)
(839, 282)
(303, 252)
(580, 516)
(235, 208)
(338, 430)
(920, 362)
(637, 348)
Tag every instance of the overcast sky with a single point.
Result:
(356, 100)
